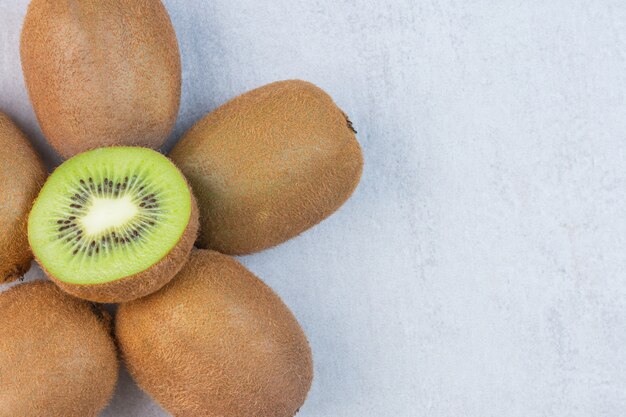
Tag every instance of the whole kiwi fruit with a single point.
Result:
(268, 165)
(113, 224)
(216, 342)
(101, 72)
(22, 174)
(57, 355)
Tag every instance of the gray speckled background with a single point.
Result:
(480, 268)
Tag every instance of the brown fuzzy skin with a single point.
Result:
(101, 72)
(22, 175)
(216, 342)
(145, 282)
(57, 358)
(268, 165)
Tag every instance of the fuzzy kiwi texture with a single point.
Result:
(57, 355)
(22, 174)
(216, 342)
(113, 224)
(101, 72)
(268, 165)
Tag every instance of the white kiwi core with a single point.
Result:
(107, 213)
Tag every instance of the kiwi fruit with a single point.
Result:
(57, 355)
(268, 165)
(101, 72)
(22, 174)
(113, 224)
(216, 342)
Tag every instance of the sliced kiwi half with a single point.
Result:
(113, 224)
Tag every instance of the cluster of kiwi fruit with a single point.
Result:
(118, 222)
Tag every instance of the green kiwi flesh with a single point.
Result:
(216, 342)
(57, 355)
(113, 215)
